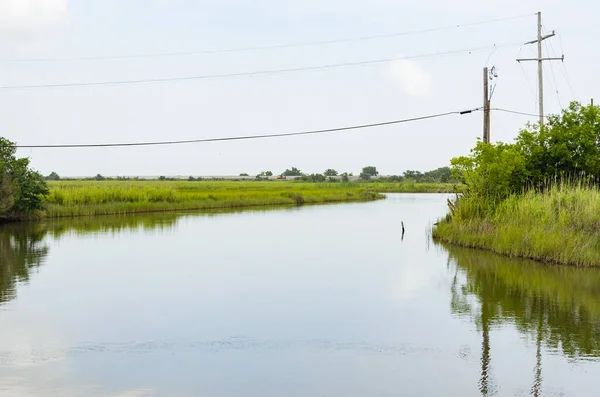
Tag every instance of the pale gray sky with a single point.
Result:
(276, 103)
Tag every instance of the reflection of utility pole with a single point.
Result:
(485, 349)
(536, 389)
(539, 60)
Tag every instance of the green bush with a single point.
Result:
(22, 190)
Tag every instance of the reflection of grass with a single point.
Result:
(22, 245)
(561, 226)
(566, 300)
(68, 199)
(108, 224)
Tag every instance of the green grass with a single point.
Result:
(561, 225)
(80, 198)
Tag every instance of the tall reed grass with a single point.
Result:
(559, 224)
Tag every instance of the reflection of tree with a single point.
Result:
(558, 307)
(565, 300)
(23, 246)
(21, 249)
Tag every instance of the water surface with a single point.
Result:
(310, 301)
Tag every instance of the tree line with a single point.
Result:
(567, 146)
(369, 173)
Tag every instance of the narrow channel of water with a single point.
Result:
(309, 301)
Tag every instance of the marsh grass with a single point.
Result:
(560, 224)
(80, 198)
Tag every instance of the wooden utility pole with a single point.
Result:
(486, 106)
(540, 68)
(539, 60)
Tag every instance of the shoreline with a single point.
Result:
(70, 199)
(558, 227)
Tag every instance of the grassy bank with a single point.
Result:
(78, 198)
(560, 226)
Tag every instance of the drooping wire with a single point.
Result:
(249, 74)
(516, 112)
(248, 137)
(553, 75)
(266, 136)
(531, 89)
(268, 47)
(554, 80)
(564, 68)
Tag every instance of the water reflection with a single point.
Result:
(557, 307)
(23, 246)
(21, 250)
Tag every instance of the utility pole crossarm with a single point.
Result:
(542, 59)
(542, 38)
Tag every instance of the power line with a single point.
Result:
(266, 47)
(553, 75)
(564, 68)
(247, 137)
(515, 112)
(526, 78)
(255, 73)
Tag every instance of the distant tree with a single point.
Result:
(191, 179)
(391, 178)
(330, 172)
(99, 178)
(368, 173)
(293, 172)
(414, 175)
(53, 177)
(162, 178)
(316, 178)
(244, 174)
(268, 173)
(345, 177)
(440, 175)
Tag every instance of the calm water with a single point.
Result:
(311, 301)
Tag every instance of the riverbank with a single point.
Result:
(82, 198)
(559, 226)
(88, 198)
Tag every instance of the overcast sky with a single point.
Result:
(278, 103)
